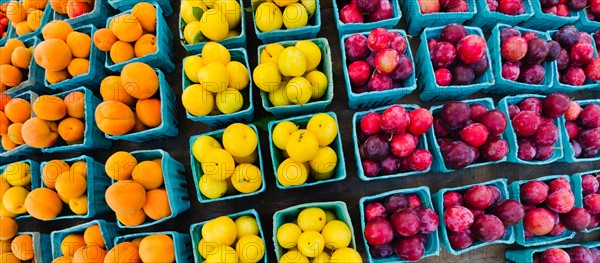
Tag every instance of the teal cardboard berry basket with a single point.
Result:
(577, 191)
(543, 21)
(181, 243)
(34, 169)
(438, 159)
(288, 215)
(438, 198)
(511, 137)
(197, 171)
(162, 58)
(356, 125)
(196, 233)
(569, 154)
(168, 114)
(318, 105)
(515, 193)
(432, 245)
(313, 26)
(34, 75)
(506, 86)
(42, 250)
(585, 24)
(174, 183)
(566, 88)
(430, 90)
(418, 21)
(95, 73)
(124, 5)
(97, 182)
(487, 19)
(46, 17)
(23, 149)
(245, 114)
(93, 138)
(108, 230)
(378, 98)
(526, 255)
(340, 169)
(233, 42)
(100, 11)
(344, 29)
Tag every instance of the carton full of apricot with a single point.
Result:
(14, 112)
(22, 246)
(88, 242)
(166, 246)
(18, 71)
(15, 181)
(69, 56)
(137, 35)
(27, 17)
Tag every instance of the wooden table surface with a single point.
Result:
(349, 190)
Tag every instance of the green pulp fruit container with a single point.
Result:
(288, 215)
(543, 21)
(577, 191)
(418, 21)
(487, 19)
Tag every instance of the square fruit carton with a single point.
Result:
(313, 106)
(108, 230)
(378, 98)
(576, 181)
(569, 153)
(345, 29)
(100, 11)
(233, 42)
(34, 169)
(196, 233)
(355, 126)
(515, 193)
(124, 5)
(526, 255)
(181, 243)
(418, 21)
(93, 138)
(585, 24)
(97, 182)
(543, 21)
(430, 90)
(34, 75)
(566, 88)
(338, 208)
(438, 159)
(511, 137)
(174, 182)
(162, 58)
(486, 19)
(23, 149)
(168, 112)
(313, 26)
(432, 246)
(197, 169)
(95, 73)
(505, 86)
(340, 169)
(509, 236)
(46, 17)
(244, 115)
(42, 250)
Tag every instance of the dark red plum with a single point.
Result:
(459, 155)
(534, 192)
(403, 145)
(514, 49)
(378, 232)
(395, 120)
(470, 49)
(581, 53)
(513, 110)
(592, 203)
(371, 60)
(585, 37)
(509, 211)
(370, 124)
(410, 248)
(462, 75)
(580, 254)
(462, 6)
(439, 129)
(576, 220)
(480, 66)
(383, 11)
(406, 223)
(567, 36)
(379, 38)
(549, 3)
(477, 212)
(376, 148)
(404, 69)
(488, 228)
(380, 82)
(477, 110)
(495, 121)
(384, 251)
(537, 51)
(494, 149)
(420, 121)
(420, 160)
(443, 77)
(429, 220)
(443, 54)
(539, 221)
(478, 197)
(359, 72)
(577, 5)
(543, 152)
(510, 7)
(563, 60)
(590, 139)
(558, 230)
(496, 195)
(561, 201)
(531, 104)
(452, 199)
(492, 5)
(562, 10)
(398, 42)
(387, 60)
(475, 134)
(431, 43)
(356, 47)
(371, 168)
(390, 165)
(553, 50)
(559, 184)
(453, 33)
(590, 116)
(375, 210)
(351, 14)
(511, 71)
(594, 221)
(526, 150)
(532, 74)
(526, 123)
(395, 203)
(530, 35)
(592, 70)
(546, 134)
(574, 76)
(367, 6)
(589, 184)
(455, 115)
(555, 255)
(508, 32)
(414, 201)
(460, 240)
(458, 218)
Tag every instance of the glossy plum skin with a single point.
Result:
(539, 221)
(374, 210)
(406, 223)
(509, 211)
(488, 228)
(458, 218)
(378, 232)
(534, 192)
(478, 197)
(460, 240)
